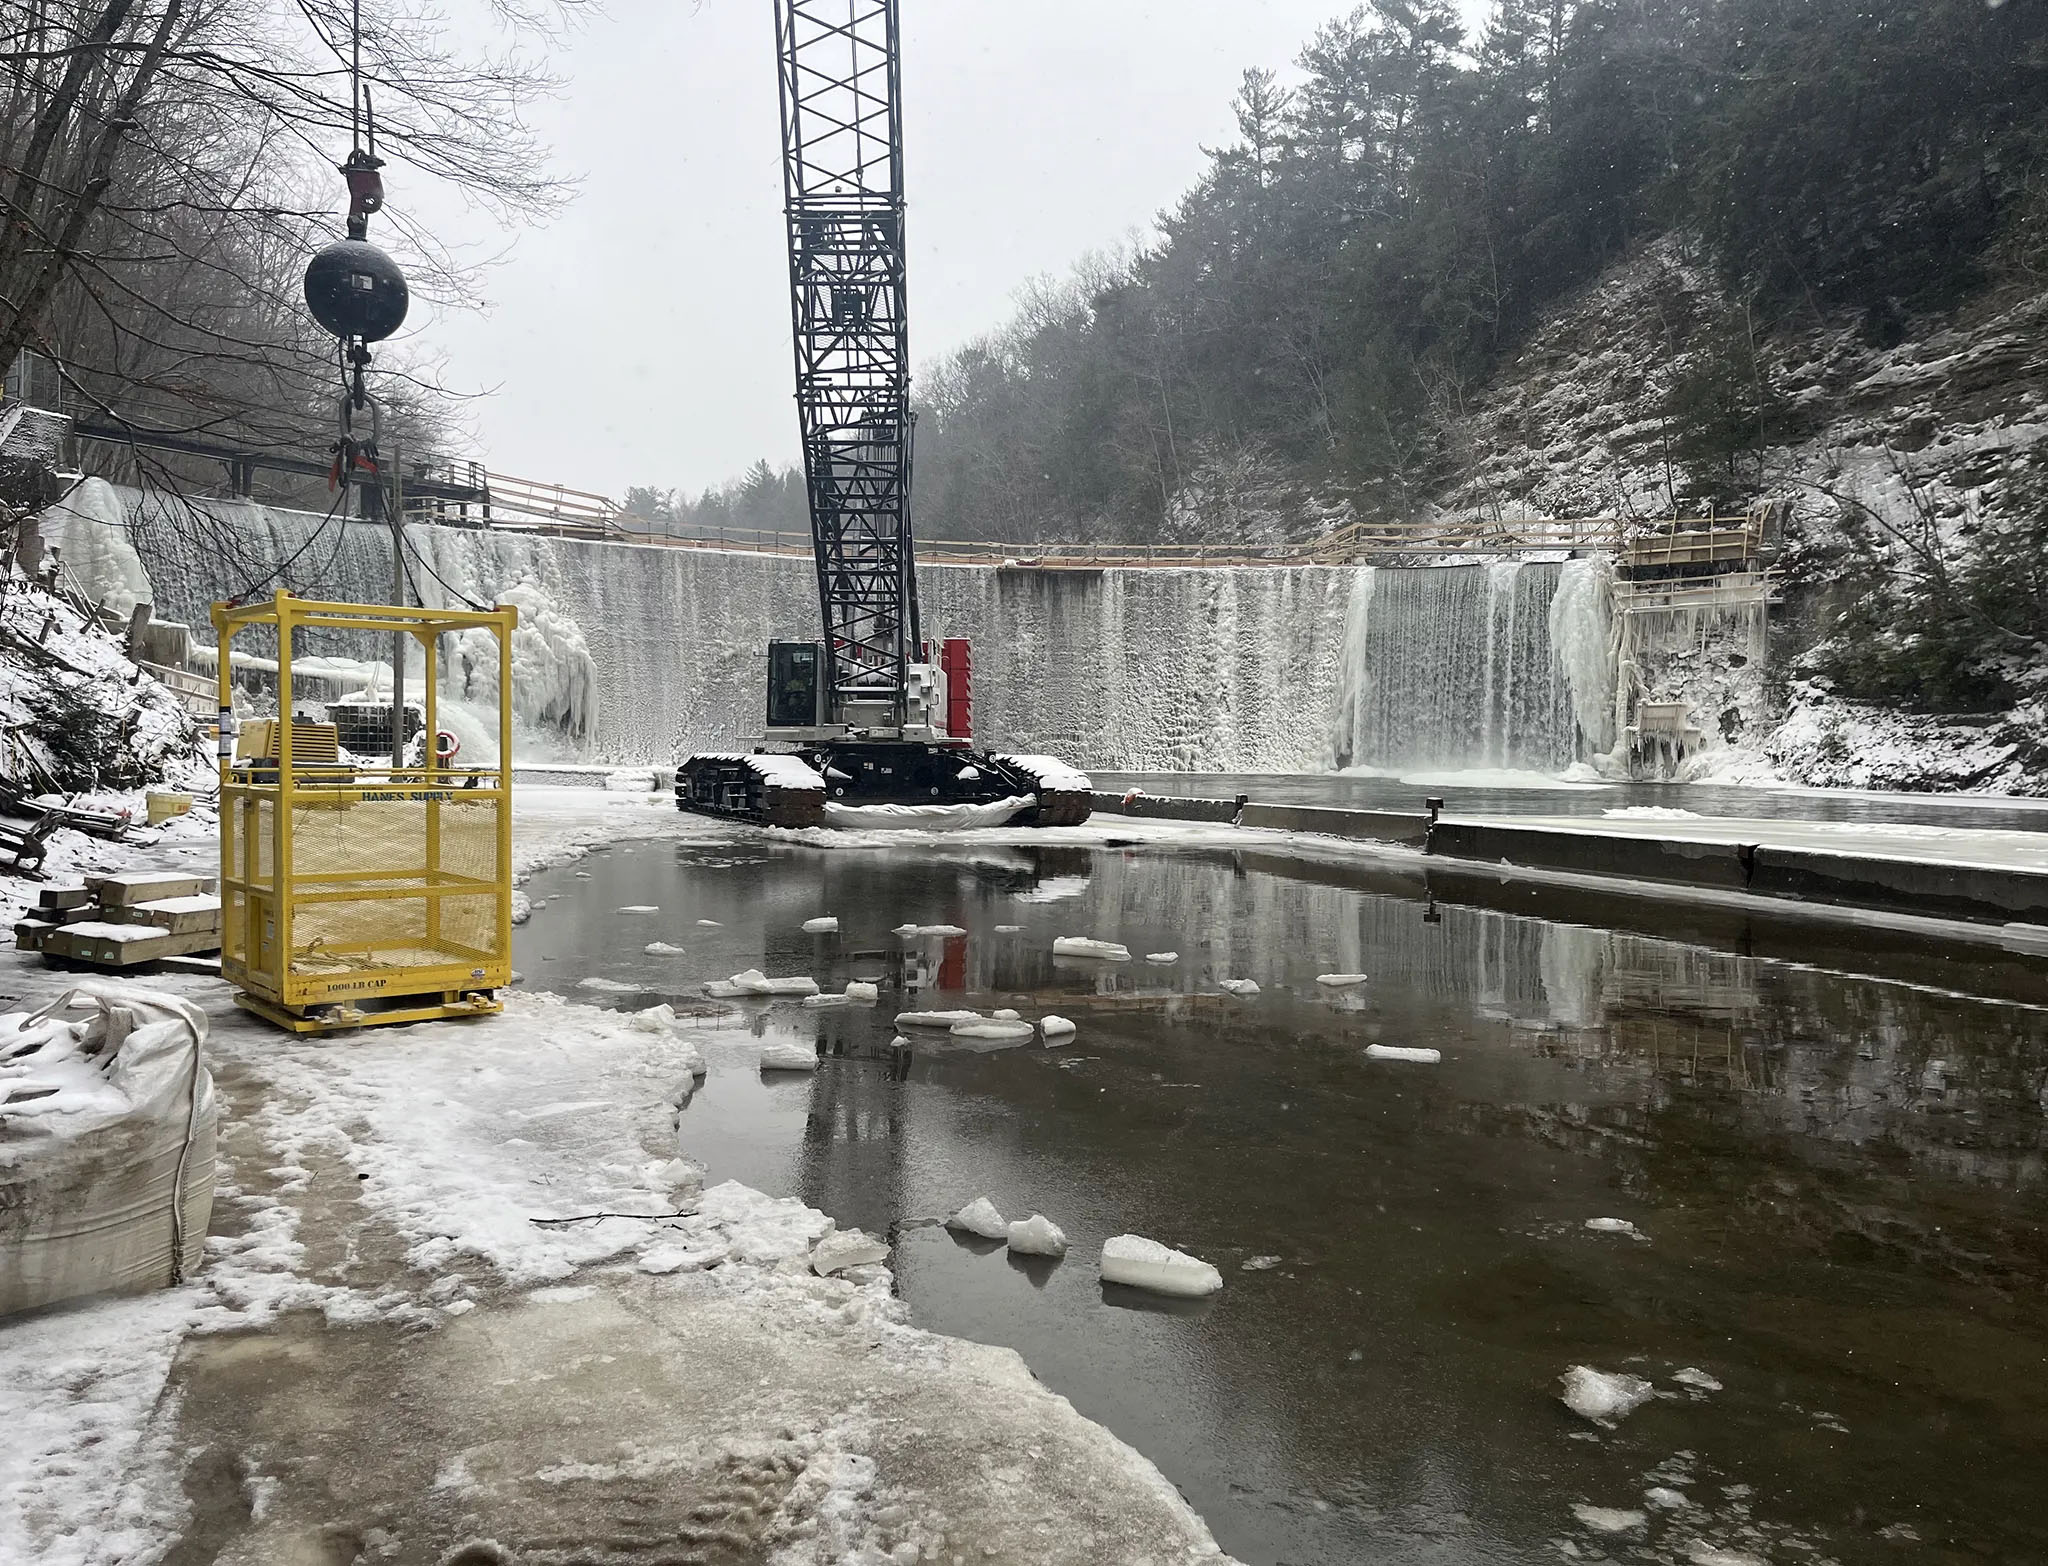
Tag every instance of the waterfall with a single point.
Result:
(1505, 664)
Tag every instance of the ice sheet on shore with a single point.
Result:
(1140, 1263)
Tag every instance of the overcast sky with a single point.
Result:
(643, 336)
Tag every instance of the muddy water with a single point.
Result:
(1834, 1155)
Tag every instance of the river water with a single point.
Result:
(1834, 1154)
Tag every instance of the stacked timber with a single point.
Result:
(117, 921)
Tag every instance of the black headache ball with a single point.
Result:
(355, 290)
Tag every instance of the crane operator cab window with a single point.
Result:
(795, 685)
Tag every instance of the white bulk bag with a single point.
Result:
(106, 1145)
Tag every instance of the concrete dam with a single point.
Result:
(639, 654)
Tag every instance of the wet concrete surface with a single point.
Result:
(1471, 794)
(1835, 1156)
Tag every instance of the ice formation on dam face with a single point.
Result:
(1474, 666)
(90, 528)
(641, 654)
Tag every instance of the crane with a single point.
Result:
(863, 717)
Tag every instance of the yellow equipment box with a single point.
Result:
(354, 894)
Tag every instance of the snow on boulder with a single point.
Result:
(1139, 1263)
(935, 1019)
(1088, 946)
(1604, 1397)
(1056, 1027)
(1422, 1057)
(1340, 981)
(1037, 1235)
(992, 1028)
(863, 992)
(980, 1217)
(781, 1055)
(824, 926)
(845, 1248)
(1245, 988)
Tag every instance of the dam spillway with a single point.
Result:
(636, 654)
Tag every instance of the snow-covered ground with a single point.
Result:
(498, 1210)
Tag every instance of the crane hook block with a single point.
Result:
(356, 290)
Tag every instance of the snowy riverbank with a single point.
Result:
(413, 1326)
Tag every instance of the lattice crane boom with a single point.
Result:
(842, 140)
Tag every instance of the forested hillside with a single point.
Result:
(1314, 319)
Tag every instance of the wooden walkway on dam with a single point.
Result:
(1642, 546)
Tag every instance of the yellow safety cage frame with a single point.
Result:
(360, 894)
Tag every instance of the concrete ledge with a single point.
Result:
(1940, 888)
(1167, 807)
(541, 774)
(1383, 826)
(1683, 860)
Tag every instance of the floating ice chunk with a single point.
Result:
(710, 924)
(899, 1042)
(1008, 929)
(782, 1055)
(1666, 1499)
(1259, 1264)
(980, 1217)
(754, 982)
(1037, 1236)
(846, 1248)
(829, 998)
(1162, 957)
(609, 986)
(1425, 1057)
(1698, 1379)
(991, 1028)
(1088, 946)
(662, 1260)
(905, 930)
(639, 908)
(863, 992)
(1611, 1226)
(1604, 1397)
(1243, 987)
(1146, 1264)
(581, 875)
(1006, 1014)
(1340, 981)
(824, 926)
(1607, 1519)
(661, 949)
(935, 1019)
(655, 1019)
(911, 932)
(1056, 1027)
